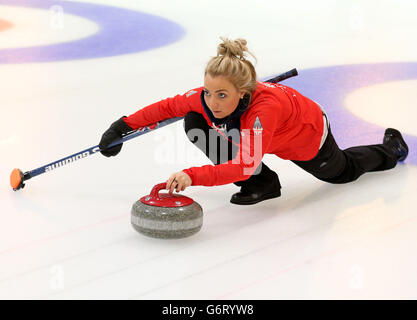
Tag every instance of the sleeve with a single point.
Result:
(177, 106)
(254, 142)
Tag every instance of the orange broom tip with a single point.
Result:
(16, 178)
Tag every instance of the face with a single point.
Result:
(221, 96)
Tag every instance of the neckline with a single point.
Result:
(240, 109)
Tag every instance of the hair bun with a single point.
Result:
(236, 48)
(231, 63)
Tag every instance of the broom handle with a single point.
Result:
(87, 152)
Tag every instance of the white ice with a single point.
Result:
(67, 234)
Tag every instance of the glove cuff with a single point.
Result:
(121, 127)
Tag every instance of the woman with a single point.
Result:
(252, 118)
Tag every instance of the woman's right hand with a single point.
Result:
(113, 134)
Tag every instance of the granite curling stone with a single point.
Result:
(161, 215)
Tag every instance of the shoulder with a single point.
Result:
(193, 92)
(266, 93)
(272, 90)
(264, 108)
(264, 101)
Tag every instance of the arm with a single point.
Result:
(255, 140)
(177, 106)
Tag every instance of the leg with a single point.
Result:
(215, 147)
(256, 188)
(341, 166)
(262, 186)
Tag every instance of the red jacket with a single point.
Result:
(279, 120)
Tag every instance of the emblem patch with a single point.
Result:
(257, 127)
(190, 93)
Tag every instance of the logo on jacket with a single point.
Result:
(257, 127)
(221, 127)
(190, 93)
(269, 85)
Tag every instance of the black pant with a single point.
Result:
(330, 164)
(341, 166)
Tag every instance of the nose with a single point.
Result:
(213, 104)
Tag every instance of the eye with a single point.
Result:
(206, 93)
(222, 95)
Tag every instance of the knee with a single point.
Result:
(194, 120)
(196, 127)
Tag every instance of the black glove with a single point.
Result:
(113, 134)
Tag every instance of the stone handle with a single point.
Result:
(157, 188)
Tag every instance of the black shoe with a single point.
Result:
(394, 138)
(262, 186)
(251, 197)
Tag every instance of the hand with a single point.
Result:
(179, 181)
(113, 134)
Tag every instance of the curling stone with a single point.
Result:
(161, 215)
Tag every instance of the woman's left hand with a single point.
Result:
(179, 181)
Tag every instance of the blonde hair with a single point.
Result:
(231, 63)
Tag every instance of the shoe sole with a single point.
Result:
(265, 197)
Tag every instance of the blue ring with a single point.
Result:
(122, 31)
(330, 85)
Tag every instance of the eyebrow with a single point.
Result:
(217, 90)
